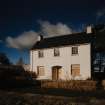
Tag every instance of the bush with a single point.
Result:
(72, 85)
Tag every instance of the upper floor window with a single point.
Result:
(56, 52)
(40, 70)
(40, 53)
(74, 50)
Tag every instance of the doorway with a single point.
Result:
(56, 72)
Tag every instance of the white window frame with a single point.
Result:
(75, 67)
(56, 52)
(74, 50)
(40, 53)
(40, 71)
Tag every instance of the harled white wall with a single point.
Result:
(65, 60)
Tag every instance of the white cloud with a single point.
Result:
(27, 39)
(49, 29)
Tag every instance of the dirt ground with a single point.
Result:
(49, 97)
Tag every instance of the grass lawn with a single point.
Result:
(57, 92)
(33, 96)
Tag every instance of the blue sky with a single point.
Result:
(19, 16)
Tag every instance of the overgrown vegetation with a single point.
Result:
(4, 59)
(17, 98)
(87, 85)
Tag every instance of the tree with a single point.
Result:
(20, 61)
(4, 59)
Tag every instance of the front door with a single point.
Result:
(55, 72)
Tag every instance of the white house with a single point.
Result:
(62, 57)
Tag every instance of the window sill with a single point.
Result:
(74, 54)
(40, 57)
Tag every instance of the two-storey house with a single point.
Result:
(63, 57)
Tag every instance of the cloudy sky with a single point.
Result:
(21, 21)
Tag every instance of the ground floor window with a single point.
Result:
(75, 70)
(40, 70)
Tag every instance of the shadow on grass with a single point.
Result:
(34, 88)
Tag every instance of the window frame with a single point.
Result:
(40, 53)
(74, 74)
(39, 71)
(56, 52)
(74, 50)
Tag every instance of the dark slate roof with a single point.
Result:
(71, 39)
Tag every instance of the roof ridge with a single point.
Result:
(70, 39)
(64, 35)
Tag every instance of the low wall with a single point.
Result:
(72, 85)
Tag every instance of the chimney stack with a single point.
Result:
(89, 29)
(40, 37)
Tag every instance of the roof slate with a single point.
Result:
(71, 39)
